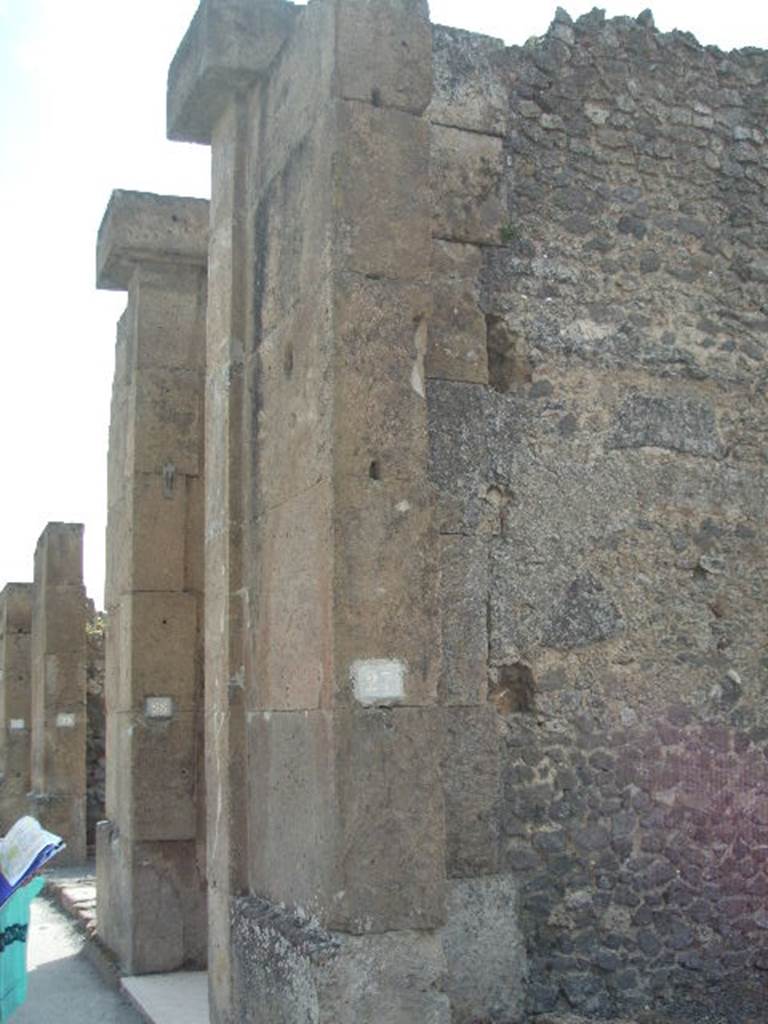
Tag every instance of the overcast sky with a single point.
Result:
(82, 111)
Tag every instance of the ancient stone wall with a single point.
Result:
(598, 440)
(96, 731)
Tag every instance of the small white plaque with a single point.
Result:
(17, 725)
(65, 720)
(158, 707)
(378, 681)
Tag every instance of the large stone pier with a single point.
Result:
(151, 847)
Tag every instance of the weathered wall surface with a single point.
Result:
(598, 427)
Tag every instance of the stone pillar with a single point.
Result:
(15, 680)
(58, 715)
(151, 848)
(322, 626)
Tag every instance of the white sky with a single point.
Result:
(82, 111)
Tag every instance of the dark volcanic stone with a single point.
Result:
(585, 615)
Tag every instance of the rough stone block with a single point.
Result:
(194, 534)
(457, 330)
(159, 758)
(289, 390)
(292, 627)
(59, 555)
(585, 614)
(287, 969)
(63, 618)
(384, 53)
(464, 619)
(470, 90)
(170, 303)
(348, 816)
(65, 679)
(485, 951)
(159, 649)
(16, 600)
(386, 583)
(458, 455)
(227, 46)
(292, 235)
(63, 741)
(151, 903)
(677, 423)
(381, 331)
(139, 227)
(468, 191)
(167, 422)
(64, 815)
(157, 537)
(471, 774)
(382, 153)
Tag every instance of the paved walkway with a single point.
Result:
(72, 978)
(63, 986)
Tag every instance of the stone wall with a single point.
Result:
(598, 424)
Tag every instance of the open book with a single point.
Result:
(23, 851)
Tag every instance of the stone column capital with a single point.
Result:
(227, 46)
(141, 227)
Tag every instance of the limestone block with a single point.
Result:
(484, 951)
(16, 675)
(158, 541)
(167, 422)
(468, 192)
(347, 816)
(59, 555)
(457, 330)
(170, 306)
(386, 583)
(64, 815)
(292, 658)
(287, 969)
(464, 614)
(384, 53)
(382, 213)
(296, 97)
(678, 423)
(65, 678)
(63, 619)
(158, 758)
(379, 398)
(471, 778)
(16, 601)
(114, 910)
(469, 84)
(139, 227)
(158, 649)
(291, 224)
(290, 391)
(459, 454)
(227, 46)
(151, 903)
(63, 730)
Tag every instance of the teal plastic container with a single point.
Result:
(14, 929)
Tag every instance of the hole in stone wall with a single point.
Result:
(288, 361)
(376, 97)
(513, 689)
(508, 365)
(374, 470)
